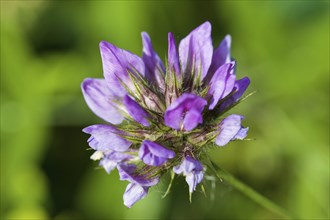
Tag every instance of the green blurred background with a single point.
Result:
(49, 47)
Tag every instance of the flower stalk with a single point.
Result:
(264, 202)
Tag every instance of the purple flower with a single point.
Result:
(112, 159)
(192, 170)
(128, 172)
(106, 138)
(185, 113)
(231, 129)
(154, 154)
(139, 184)
(158, 111)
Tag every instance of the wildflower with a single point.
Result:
(139, 183)
(193, 171)
(161, 116)
(185, 113)
(231, 129)
(154, 154)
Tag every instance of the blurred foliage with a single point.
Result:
(48, 47)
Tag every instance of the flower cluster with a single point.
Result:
(162, 116)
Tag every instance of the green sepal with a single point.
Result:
(203, 189)
(169, 185)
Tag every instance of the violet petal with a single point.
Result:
(112, 159)
(187, 166)
(154, 154)
(192, 119)
(194, 179)
(173, 58)
(178, 115)
(241, 134)
(195, 50)
(240, 86)
(116, 64)
(136, 111)
(106, 138)
(127, 172)
(229, 128)
(154, 66)
(193, 171)
(98, 97)
(221, 55)
(133, 193)
(221, 84)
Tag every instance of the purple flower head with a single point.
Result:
(154, 154)
(192, 170)
(158, 111)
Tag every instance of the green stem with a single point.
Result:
(249, 192)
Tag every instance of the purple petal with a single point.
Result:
(188, 166)
(229, 128)
(192, 169)
(106, 138)
(221, 84)
(241, 134)
(185, 112)
(108, 165)
(173, 60)
(192, 119)
(154, 66)
(240, 86)
(194, 179)
(116, 64)
(196, 50)
(127, 172)
(154, 154)
(133, 193)
(111, 160)
(221, 56)
(136, 111)
(99, 99)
